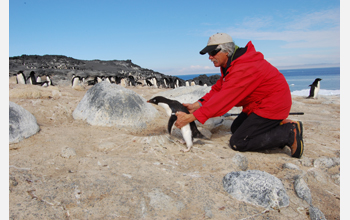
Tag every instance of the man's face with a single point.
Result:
(219, 59)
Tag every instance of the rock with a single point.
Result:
(68, 152)
(336, 178)
(162, 202)
(205, 80)
(188, 94)
(110, 105)
(307, 162)
(316, 214)
(336, 161)
(302, 190)
(256, 187)
(105, 146)
(22, 124)
(323, 162)
(241, 161)
(290, 166)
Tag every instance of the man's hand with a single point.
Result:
(183, 119)
(192, 107)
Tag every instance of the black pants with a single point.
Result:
(252, 133)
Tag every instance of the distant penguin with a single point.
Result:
(188, 131)
(48, 78)
(20, 78)
(38, 79)
(148, 83)
(98, 79)
(31, 78)
(314, 89)
(106, 79)
(76, 81)
(187, 83)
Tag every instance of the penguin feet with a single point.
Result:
(186, 150)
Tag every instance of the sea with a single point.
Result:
(300, 79)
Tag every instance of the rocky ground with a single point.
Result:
(72, 170)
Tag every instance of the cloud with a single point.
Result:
(314, 30)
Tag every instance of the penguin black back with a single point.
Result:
(314, 88)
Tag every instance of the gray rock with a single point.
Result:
(111, 105)
(307, 162)
(336, 178)
(290, 166)
(160, 201)
(190, 94)
(316, 214)
(22, 124)
(68, 152)
(256, 187)
(302, 190)
(323, 162)
(336, 161)
(241, 161)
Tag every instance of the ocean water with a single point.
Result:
(300, 79)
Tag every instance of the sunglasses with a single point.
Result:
(214, 52)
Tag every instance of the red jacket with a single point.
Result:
(251, 82)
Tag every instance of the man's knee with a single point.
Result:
(237, 145)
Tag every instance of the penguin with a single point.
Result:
(188, 131)
(314, 88)
(20, 78)
(31, 78)
(48, 79)
(38, 78)
(98, 79)
(148, 83)
(76, 81)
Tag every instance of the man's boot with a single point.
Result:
(297, 147)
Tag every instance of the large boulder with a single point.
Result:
(256, 187)
(22, 124)
(111, 105)
(190, 94)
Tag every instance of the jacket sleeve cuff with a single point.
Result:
(200, 116)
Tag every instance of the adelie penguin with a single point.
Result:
(188, 131)
(20, 78)
(314, 89)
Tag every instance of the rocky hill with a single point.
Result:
(62, 68)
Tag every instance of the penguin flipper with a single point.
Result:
(171, 122)
(195, 132)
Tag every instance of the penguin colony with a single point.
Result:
(31, 79)
(128, 81)
(188, 131)
(92, 80)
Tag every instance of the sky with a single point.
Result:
(166, 36)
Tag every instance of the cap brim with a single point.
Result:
(208, 49)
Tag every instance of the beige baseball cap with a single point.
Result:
(214, 41)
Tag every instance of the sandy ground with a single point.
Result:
(72, 170)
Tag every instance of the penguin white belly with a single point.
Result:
(187, 136)
(20, 79)
(317, 89)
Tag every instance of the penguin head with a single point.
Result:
(318, 79)
(154, 100)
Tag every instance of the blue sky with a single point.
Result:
(166, 36)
